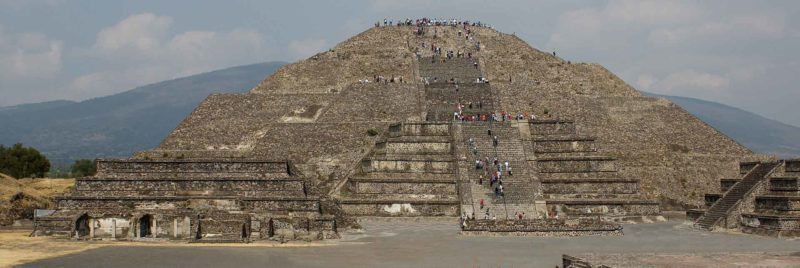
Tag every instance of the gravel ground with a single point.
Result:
(433, 243)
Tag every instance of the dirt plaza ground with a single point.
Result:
(436, 243)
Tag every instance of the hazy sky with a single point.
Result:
(735, 52)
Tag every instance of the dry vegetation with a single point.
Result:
(18, 198)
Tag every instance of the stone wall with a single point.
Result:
(563, 145)
(403, 187)
(281, 204)
(411, 165)
(295, 185)
(575, 165)
(541, 227)
(400, 208)
(425, 129)
(417, 148)
(779, 226)
(603, 209)
(590, 186)
(778, 204)
(548, 127)
(108, 166)
(792, 165)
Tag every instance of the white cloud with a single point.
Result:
(142, 33)
(650, 11)
(736, 27)
(610, 27)
(142, 51)
(749, 72)
(29, 56)
(307, 47)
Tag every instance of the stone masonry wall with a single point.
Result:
(190, 166)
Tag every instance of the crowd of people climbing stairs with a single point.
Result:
(490, 171)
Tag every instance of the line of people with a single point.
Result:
(459, 115)
(431, 22)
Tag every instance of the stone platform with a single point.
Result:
(195, 199)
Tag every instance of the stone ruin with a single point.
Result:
(764, 199)
(196, 199)
(314, 147)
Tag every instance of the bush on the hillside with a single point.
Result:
(22, 162)
(83, 168)
(372, 132)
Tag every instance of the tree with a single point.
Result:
(83, 168)
(22, 162)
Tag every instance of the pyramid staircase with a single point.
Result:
(765, 200)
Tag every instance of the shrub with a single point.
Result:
(372, 132)
(22, 162)
(83, 168)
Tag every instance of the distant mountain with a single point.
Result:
(760, 134)
(138, 119)
(120, 124)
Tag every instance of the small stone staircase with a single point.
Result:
(722, 207)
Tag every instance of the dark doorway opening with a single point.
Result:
(145, 223)
(271, 229)
(82, 226)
